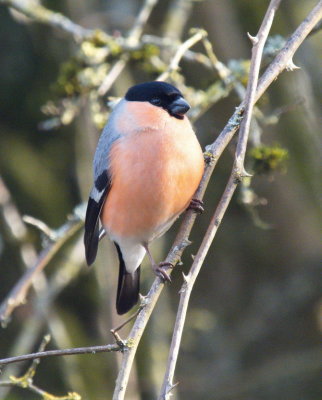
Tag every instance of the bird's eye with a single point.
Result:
(155, 101)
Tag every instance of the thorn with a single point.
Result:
(170, 387)
(253, 39)
(144, 300)
(184, 244)
(185, 278)
(245, 174)
(291, 66)
(240, 174)
(185, 283)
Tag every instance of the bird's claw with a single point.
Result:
(196, 205)
(160, 271)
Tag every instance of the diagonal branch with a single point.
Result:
(18, 293)
(33, 9)
(236, 175)
(182, 49)
(214, 151)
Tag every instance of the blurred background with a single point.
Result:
(253, 329)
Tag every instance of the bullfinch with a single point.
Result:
(147, 166)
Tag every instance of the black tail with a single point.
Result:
(128, 286)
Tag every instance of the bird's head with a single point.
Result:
(160, 94)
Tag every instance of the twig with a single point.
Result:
(123, 324)
(26, 381)
(176, 17)
(131, 42)
(16, 225)
(37, 12)
(43, 302)
(284, 57)
(113, 74)
(32, 369)
(44, 228)
(167, 42)
(272, 72)
(64, 352)
(174, 65)
(258, 45)
(45, 290)
(18, 293)
(141, 20)
(235, 178)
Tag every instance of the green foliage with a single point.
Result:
(267, 159)
(147, 59)
(147, 51)
(67, 83)
(100, 39)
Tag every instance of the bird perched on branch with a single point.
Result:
(147, 166)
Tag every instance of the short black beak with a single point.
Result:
(179, 107)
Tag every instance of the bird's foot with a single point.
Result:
(196, 205)
(161, 272)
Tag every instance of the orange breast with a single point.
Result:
(154, 176)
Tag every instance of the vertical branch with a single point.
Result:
(141, 20)
(258, 45)
(235, 177)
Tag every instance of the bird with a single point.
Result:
(147, 166)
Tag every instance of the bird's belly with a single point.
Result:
(153, 181)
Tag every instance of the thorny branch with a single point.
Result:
(236, 176)
(275, 68)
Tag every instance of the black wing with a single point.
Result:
(95, 203)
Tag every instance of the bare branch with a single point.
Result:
(141, 20)
(19, 292)
(286, 54)
(26, 380)
(185, 292)
(65, 352)
(37, 12)
(16, 225)
(214, 152)
(258, 45)
(113, 74)
(44, 228)
(174, 65)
